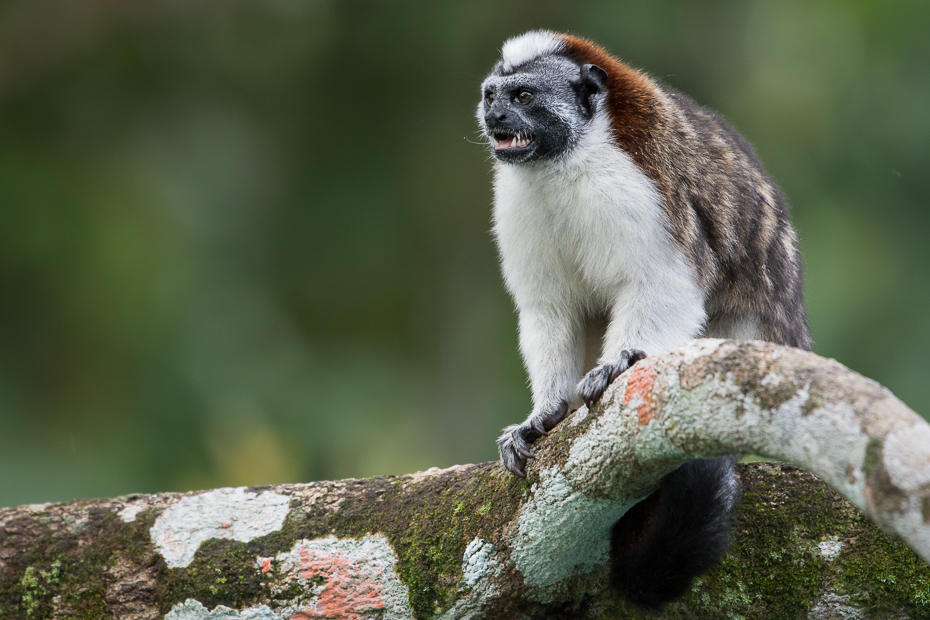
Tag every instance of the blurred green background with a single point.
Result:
(247, 243)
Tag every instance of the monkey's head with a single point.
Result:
(538, 99)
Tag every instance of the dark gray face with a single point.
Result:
(540, 110)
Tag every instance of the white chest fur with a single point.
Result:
(588, 230)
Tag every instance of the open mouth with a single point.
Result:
(504, 140)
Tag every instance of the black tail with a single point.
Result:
(675, 534)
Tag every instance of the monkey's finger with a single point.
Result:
(514, 463)
(537, 425)
(553, 419)
(511, 461)
(515, 469)
(519, 445)
(636, 355)
(620, 367)
(594, 383)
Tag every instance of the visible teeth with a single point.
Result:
(515, 140)
(520, 140)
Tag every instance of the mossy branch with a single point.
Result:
(473, 541)
(713, 397)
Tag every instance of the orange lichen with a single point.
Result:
(639, 387)
(347, 593)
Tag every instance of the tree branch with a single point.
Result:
(472, 541)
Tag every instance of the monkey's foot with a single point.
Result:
(595, 382)
(514, 442)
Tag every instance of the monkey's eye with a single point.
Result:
(524, 97)
(489, 99)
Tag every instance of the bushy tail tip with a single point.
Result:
(675, 534)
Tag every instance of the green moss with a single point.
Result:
(223, 572)
(873, 455)
(428, 536)
(774, 568)
(431, 548)
(882, 575)
(72, 573)
(774, 563)
(69, 570)
(308, 522)
(32, 591)
(37, 589)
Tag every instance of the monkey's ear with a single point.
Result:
(593, 81)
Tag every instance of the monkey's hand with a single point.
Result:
(596, 381)
(514, 443)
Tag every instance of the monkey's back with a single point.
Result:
(722, 208)
(731, 220)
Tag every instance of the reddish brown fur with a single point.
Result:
(632, 102)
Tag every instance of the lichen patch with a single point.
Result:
(223, 513)
(478, 561)
(906, 456)
(830, 548)
(577, 531)
(639, 390)
(578, 416)
(338, 578)
(832, 606)
(193, 610)
(131, 511)
(480, 565)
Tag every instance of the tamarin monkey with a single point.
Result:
(629, 220)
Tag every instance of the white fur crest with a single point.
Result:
(529, 46)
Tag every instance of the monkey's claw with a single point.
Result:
(514, 442)
(514, 449)
(595, 382)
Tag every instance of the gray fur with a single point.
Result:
(554, 111)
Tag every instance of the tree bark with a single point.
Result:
(472, 541)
